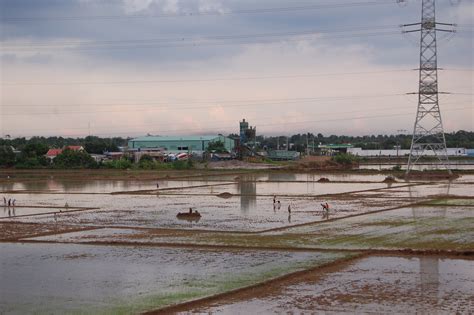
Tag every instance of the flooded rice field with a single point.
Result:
(281, 188)
(373, 285)
(427, 228)
(100, 186)
(239, 213)
(58, 279)
(74, 245)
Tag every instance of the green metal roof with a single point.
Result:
(176, 138)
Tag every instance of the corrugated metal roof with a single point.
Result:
(175, 138)
(54, 152)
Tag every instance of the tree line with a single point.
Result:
(298, 142)
(32, 151)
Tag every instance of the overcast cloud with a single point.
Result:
(132, 67)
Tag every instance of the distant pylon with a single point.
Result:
(428, 133)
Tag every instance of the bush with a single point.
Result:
(345, 159)
(74, 159)
(32, 162)
(121, 164)
(182, 165)
(397, 168)
(147, 165)
(28, 163)
(146, 158)
(154, 165)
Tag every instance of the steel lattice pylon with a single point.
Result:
(428, 133)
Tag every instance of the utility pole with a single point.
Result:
(307, 144)
(428, 132)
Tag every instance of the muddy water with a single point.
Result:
(378, 285)
(250, 209)
(97, 186)
(425, 190)
(453, 188)
(465, 178)
(290, 177)
(283, 188)
(246, 213)
(58, 279)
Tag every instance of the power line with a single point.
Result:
(206, 101)
(231, 120)
(284, 76)
(458, 69)
(199, 42)
(378, 108)
(246, 104)
(203, 41)
(288, 76)
(197, 14)
(219, 102)
(180, 39)
(270, 124)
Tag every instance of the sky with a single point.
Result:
(175, 67)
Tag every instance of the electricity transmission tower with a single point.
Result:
(428, 133)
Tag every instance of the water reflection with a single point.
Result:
(78, 185)
(247, 188)
(438, 211)
(7, 186)
(429, 266)
(189, 219)
(429, 278)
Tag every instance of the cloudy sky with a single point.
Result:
(132, 67)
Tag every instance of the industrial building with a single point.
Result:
(177, 144)
(247, 133)
(333, 149)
